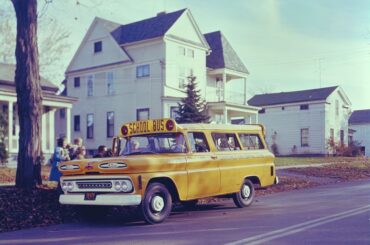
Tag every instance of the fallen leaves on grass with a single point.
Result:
(21, 209)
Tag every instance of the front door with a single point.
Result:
(202, 167)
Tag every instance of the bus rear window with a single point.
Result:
(251, 141)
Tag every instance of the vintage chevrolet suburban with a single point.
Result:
(158, 162)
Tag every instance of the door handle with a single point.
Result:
(214, 157)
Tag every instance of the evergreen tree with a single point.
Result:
(192, 109)
(3, 135)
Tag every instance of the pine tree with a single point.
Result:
(3, 135)
(192, 109)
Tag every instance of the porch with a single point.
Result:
(50, 103)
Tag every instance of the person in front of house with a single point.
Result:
(77, 143)
(60, 155)
(102, 149)
(80, 153)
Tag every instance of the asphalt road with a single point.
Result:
(334, 214)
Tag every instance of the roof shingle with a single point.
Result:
(360, 116)
(291, 97)
(146, 29)
(223, 55)
(7, 75)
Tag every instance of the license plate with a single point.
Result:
(90, 196)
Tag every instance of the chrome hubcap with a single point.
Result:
(157, 203)
(246, 191)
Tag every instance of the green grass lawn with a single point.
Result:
(291, 161)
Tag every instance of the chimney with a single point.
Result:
(161, 13)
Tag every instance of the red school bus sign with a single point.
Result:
(148, 126)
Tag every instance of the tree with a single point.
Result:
(52, 40)
(3, 135)
(29, 96)
(192, 108)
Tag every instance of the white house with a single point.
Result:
(136, 71)
(359, 122)
(302, 122)
(51, 103)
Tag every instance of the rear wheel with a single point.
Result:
(245, 196)
(157, 203)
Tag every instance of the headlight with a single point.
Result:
(64, 186)
(70, 186)
(117, 185)
(113, 165)
(126, 186)
(70, 167)
(123, 185)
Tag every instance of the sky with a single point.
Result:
(286, 45)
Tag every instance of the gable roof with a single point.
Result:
(146, 29)
(7, 72)
(360, 116)
(291, 97)
(223, 55)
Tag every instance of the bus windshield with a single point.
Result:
(154, 144)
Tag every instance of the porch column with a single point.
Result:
(51, 116)
(245, 91)
(224, 84)
(68, 124)
(10, 126)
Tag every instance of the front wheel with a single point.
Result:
(157, 203)
(245, 196)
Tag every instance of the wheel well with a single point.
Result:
(170, 186)
(255, 180)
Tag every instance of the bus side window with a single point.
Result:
(198, 142)
(251, 141)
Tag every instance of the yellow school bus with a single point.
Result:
(156, 163)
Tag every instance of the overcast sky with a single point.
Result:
(286, 45)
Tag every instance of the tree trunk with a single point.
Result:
(29, 95)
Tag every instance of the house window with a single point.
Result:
(110, 83)
(190, 53)
(304, 137)
(90, 86)
(282, 108)
(336, 107)
(182, 83)
(262, 111)
(62, 113)
(342, 137)
(77, 82)
(142, 71)
(110, 124)
(173, 112)
(76, 123)
(142, 114)
(304, 107)
(90, 126)
(181, 51)
(332, 134)
(98, 46)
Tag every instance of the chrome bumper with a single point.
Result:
(101, 200)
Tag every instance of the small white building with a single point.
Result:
(359, 122)
(302, 122)
(136, 71)
(51, 103)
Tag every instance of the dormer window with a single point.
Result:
(98, 47)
